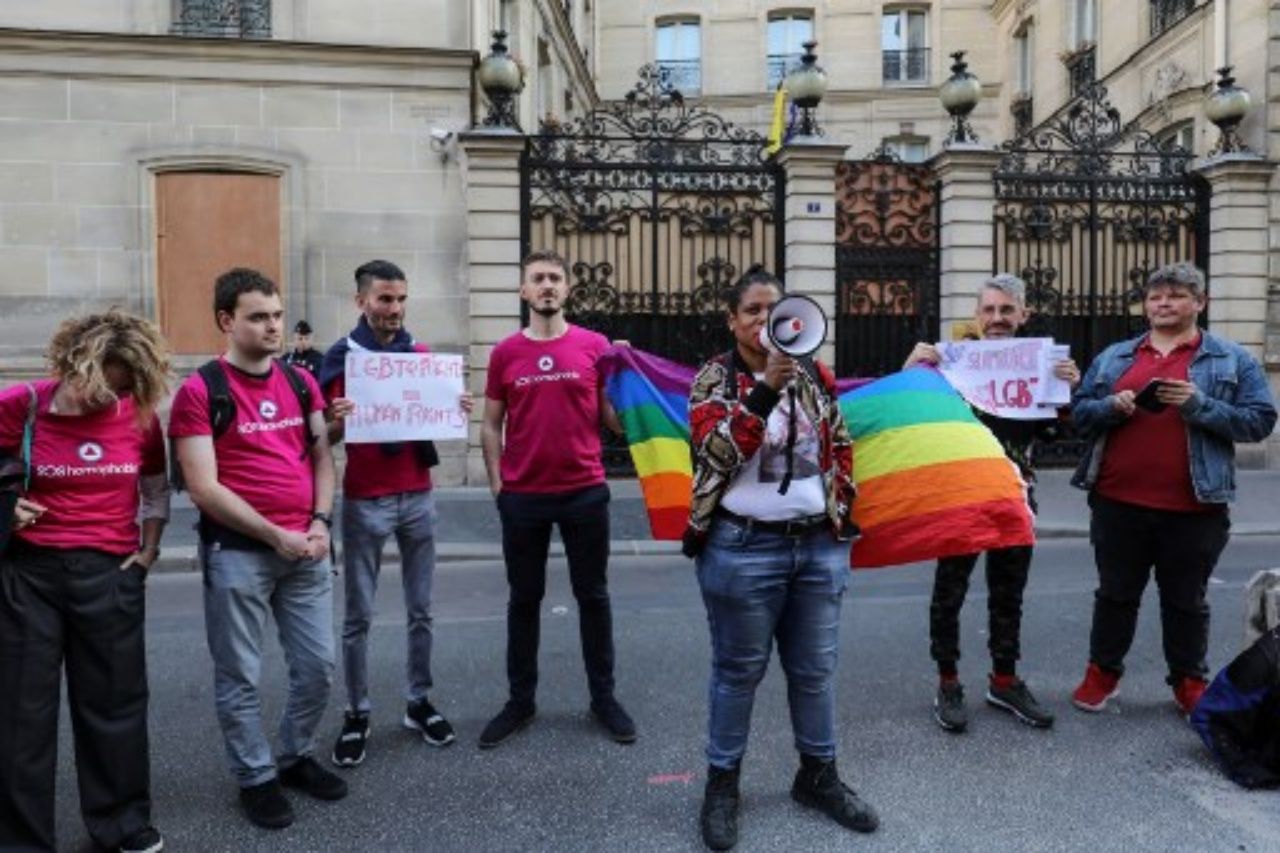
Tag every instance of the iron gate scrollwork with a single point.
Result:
(887, 282)
(1086, 207)
(659, 206)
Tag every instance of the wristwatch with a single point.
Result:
(323, 516)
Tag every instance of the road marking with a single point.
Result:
(685, 778)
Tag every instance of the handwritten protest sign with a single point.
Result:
(1006, 378)
(404, 397)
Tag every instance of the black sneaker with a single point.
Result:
(1017, 700)
(720, 808)
(143, 841)
(309, 777)
(423, 717)
(350, 748)
(266, 806)
(613, 717)
(948, 707)
(511, 719)
(818, 786)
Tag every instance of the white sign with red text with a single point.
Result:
(410, 396)
(1008, 378)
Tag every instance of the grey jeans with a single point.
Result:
(366, 524)
(241, 588)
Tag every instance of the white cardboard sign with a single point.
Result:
(408, 396)
(1009, 377)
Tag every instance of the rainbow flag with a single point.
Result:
(932, 480)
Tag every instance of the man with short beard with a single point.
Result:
(543, 409)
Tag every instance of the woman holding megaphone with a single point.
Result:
(769, 528)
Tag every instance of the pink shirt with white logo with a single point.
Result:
(263, 456)
(84, 469)
(552, 393)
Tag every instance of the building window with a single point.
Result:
(904, 46)
(786, 36)
(1082, 68)
(1166, 13)
(1181, 136)
(222, 18)
(908, 149)
(1083, 26)
(1024, 72)
(679, 52)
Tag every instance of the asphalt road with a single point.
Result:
(1133, 779)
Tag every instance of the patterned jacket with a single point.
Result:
(726, 432)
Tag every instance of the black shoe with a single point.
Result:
(143, 841)
(818, 786)
(720, 808)
(266, 805)
(1017, 700)
(948, 707)
(422, 716)
(613, 717)
(511, 719)
(350, 748)
(308, 776)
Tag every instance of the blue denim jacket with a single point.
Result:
(1232, 403)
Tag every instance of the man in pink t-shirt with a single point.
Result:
(541, 435)
(262, 477)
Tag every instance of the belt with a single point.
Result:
(802, 526)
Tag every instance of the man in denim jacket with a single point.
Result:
(1162, 412)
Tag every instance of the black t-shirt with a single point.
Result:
(308, 359)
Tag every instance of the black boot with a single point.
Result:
(818, 786)
(720, 808)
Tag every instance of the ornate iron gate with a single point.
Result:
(887, 282)
(1086, 207)
(659, 206)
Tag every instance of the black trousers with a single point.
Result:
(1007, 570)
(1183, 548)
(78, 609)
(583, 519)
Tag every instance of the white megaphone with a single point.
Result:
(796, 326)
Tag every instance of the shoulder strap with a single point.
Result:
(302, 391)
(730, 375)
(222, 409)
(29, 435)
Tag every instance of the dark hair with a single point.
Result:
(547, 256)
(384, 270)
(755, 274)
(302, 327)
(233, 282)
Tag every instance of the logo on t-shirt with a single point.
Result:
(90, 451)
(268, 409)
(546, 363)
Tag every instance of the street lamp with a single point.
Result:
(500, 78)
(960, 94)
(1226, 107)
(806, 83)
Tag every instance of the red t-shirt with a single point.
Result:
(371, 471)
(84, 469)
(552, 393)
(263, 456)
(1146, 459)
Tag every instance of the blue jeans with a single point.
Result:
(759, 586)
(366, 524)
(240, 589)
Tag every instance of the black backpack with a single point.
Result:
(222, 410)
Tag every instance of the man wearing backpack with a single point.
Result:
(250, 440)
(386, 490)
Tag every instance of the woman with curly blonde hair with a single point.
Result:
(72, 579)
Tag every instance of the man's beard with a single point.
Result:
(545, 311)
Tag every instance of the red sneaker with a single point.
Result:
(1187, 692)
(1098, 687)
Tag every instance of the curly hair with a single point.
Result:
(83, 347)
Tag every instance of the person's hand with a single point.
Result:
(1122, 402)
(1066, 370)
(1175, 392)
(143, 557)
(922, 353)
(495, 489)
(290, 544)
(317, 540)
(779, 370)
(26, 513)
(466, 402)
(340, 408)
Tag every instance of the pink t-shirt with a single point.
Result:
(84, 469)
(371, 471)
(552, 393)
(263, 456)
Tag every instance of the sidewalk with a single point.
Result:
(468, 528)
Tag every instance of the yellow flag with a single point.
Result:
(779, 125)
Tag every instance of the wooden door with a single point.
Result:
(207, 223)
